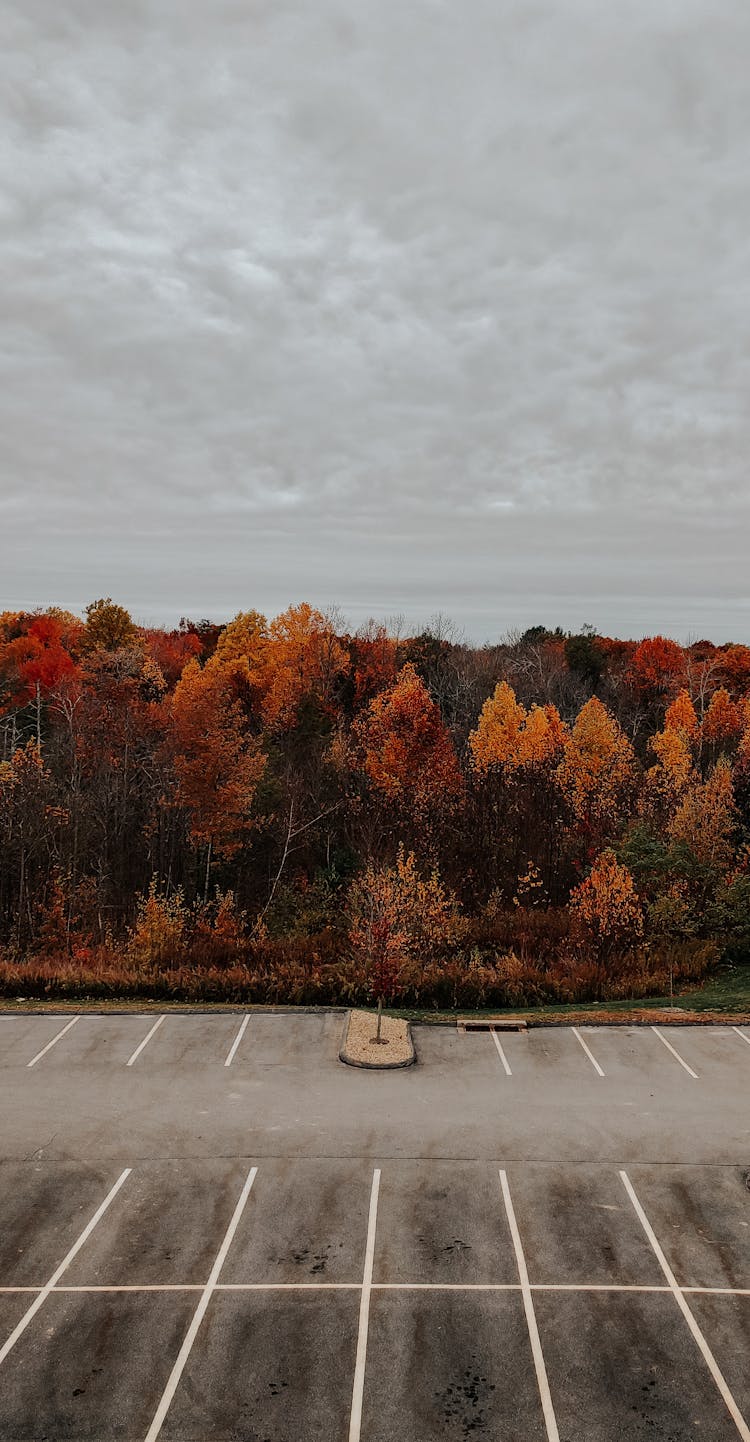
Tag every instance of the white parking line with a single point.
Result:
(742, 1034)
(65, 1263)
(355, 1419)
(501, 1053)
(675, 1053)
(52, 1043)
(145, 1042)
(528, 1306)
(376, 1287)
(707, 1354)
(589, 1053)
(237, 1041)
(200, 1312)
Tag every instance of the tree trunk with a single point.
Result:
(208, 874)
(21, 890)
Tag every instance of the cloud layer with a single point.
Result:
(408, 307)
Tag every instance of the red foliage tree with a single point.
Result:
(658, 666)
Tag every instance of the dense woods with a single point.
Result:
(276, 810)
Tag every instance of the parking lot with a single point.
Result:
(211, 1229)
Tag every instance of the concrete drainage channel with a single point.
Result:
(490, 1023)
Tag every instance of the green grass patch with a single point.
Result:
(727, 993)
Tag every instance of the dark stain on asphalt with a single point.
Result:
(464, 1404)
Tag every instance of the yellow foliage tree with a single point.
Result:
(509, 736)
(597, 773)
(706, 819)
(674, 749)
(607, 902)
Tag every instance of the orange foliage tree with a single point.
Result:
(217, 765)
(658, 666)
(303, 659)
(722, 723)
(407, 753)
(607, 903)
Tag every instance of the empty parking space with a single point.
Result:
(725, 1322)
(24, 1037)
(627, 1055)
(624, 1365)
(164, 1226)
(43, 1209)
(296, 1042)
(702, 1219)
(90, 1366)
(714, 1051)
(578, 1227)
(268, 1366)
(306, 1222)
(94, 1042)
(546, 1052)
(184, 1041)
(471, 1054)
(442, 1224)
(450, 1365)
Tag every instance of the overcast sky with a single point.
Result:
(405, 305)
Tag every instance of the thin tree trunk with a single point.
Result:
(208, 874)
(21, 888)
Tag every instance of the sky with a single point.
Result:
(404, 306)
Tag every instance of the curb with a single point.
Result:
(376, 1065)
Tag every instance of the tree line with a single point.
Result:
(334, 812)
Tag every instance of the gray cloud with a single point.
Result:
(409, 307)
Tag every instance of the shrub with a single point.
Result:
(607, 904)
(158, 937)
(219, 937)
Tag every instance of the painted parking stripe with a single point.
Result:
(742, 1034)
(707, 1354)
(587, 1050)
(52, 1043)
(237, 1041)
(528, 1305)
(376, 1287)
(200, 1311)
(501, 1053)
(674, 1052)
(65, 1263)
(358, 1388)
(145, 1042)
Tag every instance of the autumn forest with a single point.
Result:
(279, 811)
